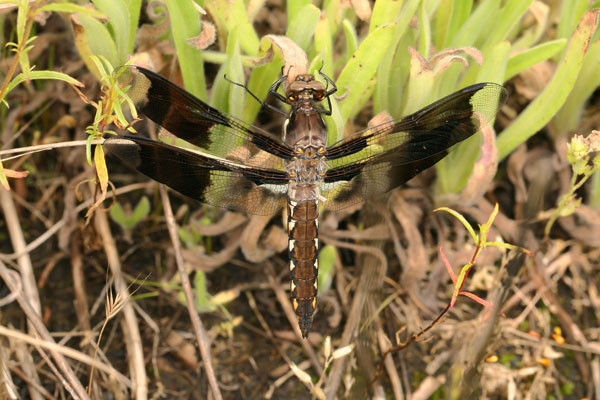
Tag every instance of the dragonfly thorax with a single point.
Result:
(307, 170)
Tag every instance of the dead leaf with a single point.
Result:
(294, 58)
(206, 38)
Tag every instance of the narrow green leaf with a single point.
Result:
(185, 24)
(509, 16)
(20, 78)
(570, 12)
(118, 21)
(442, 19)
(294, 8)
(141, 211)
(510, 247)
(519, 62)
(485, 228)
(235, 72)
(203, 298)
(134, 7)
(462, 220)
(588, 80)
(3, 179)
(384, 12)
(460, 282)
(324, 46)
(101, 170)
(71, 8)
(474, 29)
(424, 31)
(327, 257)
(302, 27)
(363, 65)
(98, 38)
(385, 92)
(543, 108)
(461, 10)
(351, 39)
(118, 214)
(22, 20)
(88, 150)
(334, 13)
(335, 122)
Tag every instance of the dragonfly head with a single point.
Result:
(305, 88)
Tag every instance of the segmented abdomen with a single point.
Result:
(304, 267)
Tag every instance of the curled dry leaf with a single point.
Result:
(294, 58)
(230, 221)
(540, 12)
(276, 238)
(15, 174)
(383, 118)
(409, 217)
(362, 8)
(182, 349)
(145, 60)
(484, 169)
(151, 37)
(207, 263)
(250, 239)
(342, 352)
(442, 60)
(534, 79)
(300, 374)
(417, 61)
(206, 38)
(516, 162)
(334, 310)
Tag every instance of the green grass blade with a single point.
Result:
(185, 24)
(363, 65)
(569, 116)
(543, 108)
(99, 39)
(302, 28)
(519, 62)
(119, 22)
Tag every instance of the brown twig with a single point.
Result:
(25, 270)
(199, 331)
(72, 384)
(131, 333)
(63, 221)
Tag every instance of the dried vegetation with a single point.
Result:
(163, 297)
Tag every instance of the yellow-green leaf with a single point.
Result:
(101, 169)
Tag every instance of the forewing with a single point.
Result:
(381, 158)
(222, 183)
(189, 118)
(434, 128)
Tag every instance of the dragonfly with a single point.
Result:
(241, 167)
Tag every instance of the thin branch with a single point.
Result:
(199, 331)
